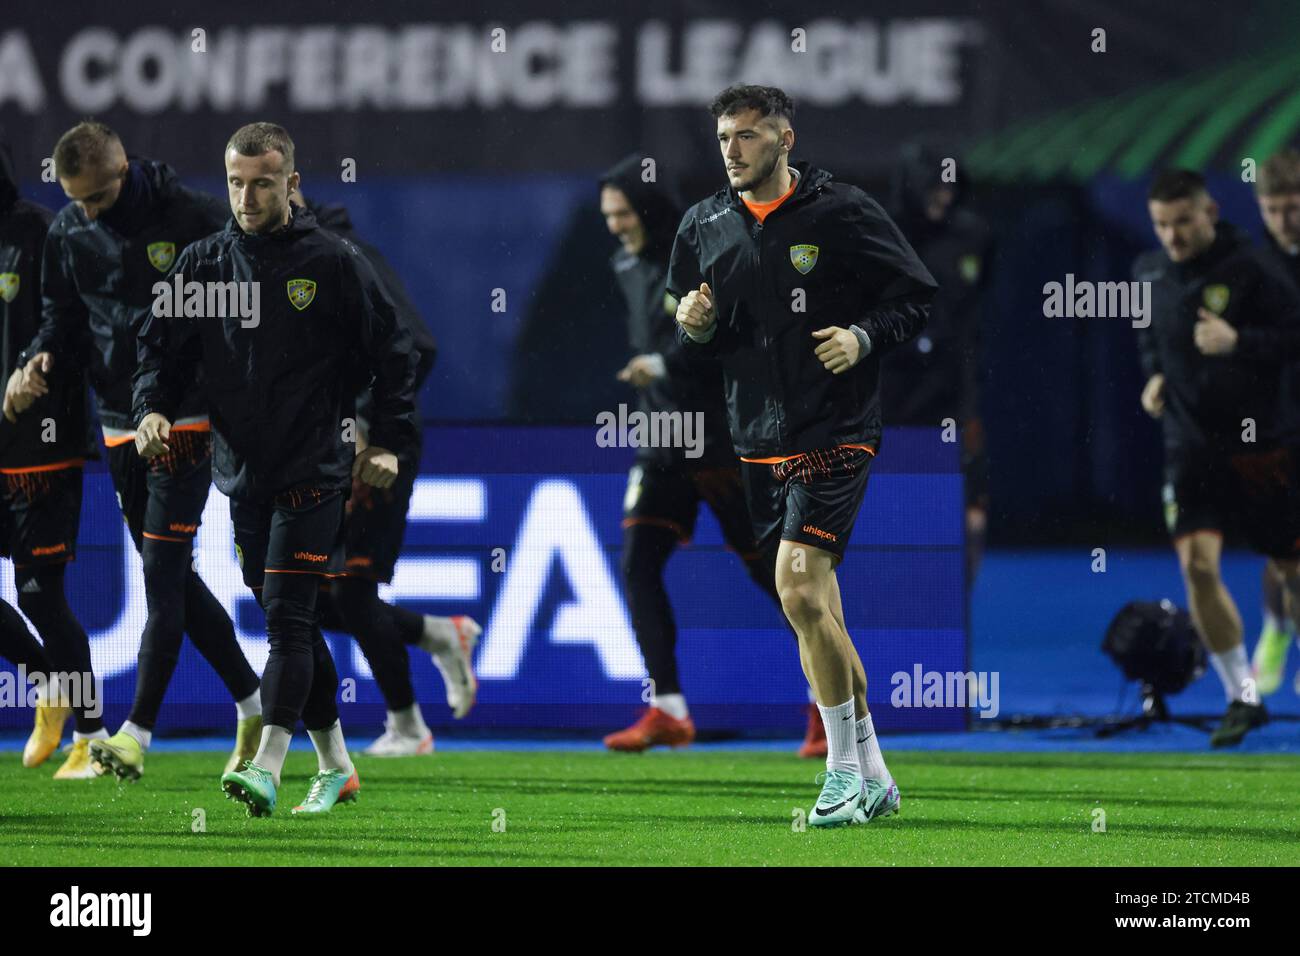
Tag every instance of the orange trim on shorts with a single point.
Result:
(163, 537)
(57, 466)
(776, 461)
(117, 440)
(660, 523)
(323, 574)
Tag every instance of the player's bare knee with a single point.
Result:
(803, 602)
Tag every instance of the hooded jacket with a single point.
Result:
(60, 415)
(1208, 397)
(827, 256)
(279, 389)
(97, 285)
(935, 375)
(693, 380)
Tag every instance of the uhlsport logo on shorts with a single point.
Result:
(301, 292)
(9, 282)
(803, 257)
(161, 255)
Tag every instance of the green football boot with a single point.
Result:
(839, 800)
(1269, 661)
(253, 786)
(121, 754)
(328, 788)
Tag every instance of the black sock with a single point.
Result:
(290, 604)
(41, 598)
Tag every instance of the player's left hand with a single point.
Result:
(1213, 335)
(641, 370)
(840, 351)
(376, 467)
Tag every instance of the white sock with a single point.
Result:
(674, 705)
(439, 634)
(250, 706)
(409, 722)
(139, 733)
(1234, 671)
(100, 734)
(331, 748)
(841, 742)
(272, 750)
(870, 759)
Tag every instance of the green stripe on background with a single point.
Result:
(1111, 136)
(1207, 140)
(1274, 130)
(1180, 113)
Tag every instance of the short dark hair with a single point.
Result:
(258, 138)
(1279, 174)
(1174, 184)
(85, 146)
(768, 100)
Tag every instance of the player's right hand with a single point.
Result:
(1153, 396)
(151, 435)
(34, 372)
(695, 311)
(17, 400)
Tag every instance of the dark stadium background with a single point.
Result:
(468, 189)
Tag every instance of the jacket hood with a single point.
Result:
(8, 184)
(810, 178)
(332, 216)
(655, 203)
(302, 221)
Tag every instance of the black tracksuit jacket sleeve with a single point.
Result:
(1274, 336)
(885, 260)
(169, 351)
(684, 276)
(389, 353)
(64, 318)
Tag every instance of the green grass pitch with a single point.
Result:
(686, 808)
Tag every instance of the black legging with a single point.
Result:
(17, 644)
(41, 597)
(300, 680)
(382, 631)
(646, 549)
(178, 602)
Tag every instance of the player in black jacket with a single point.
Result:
(128, 220)
(667, 485)
(374, 524)
(934, 377)
(41, 457)
(1277, 188)
(799, 284)
(282, 383)
(1223, 324)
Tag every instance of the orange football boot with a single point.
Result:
(654, 728)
